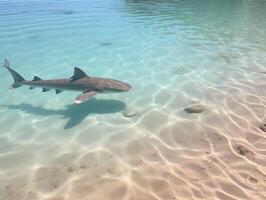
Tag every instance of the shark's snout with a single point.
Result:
(126, 87)
(116, 86)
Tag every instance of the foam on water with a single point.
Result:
(141, 144)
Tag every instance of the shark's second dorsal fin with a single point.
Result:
(78, 74)
(36, 78)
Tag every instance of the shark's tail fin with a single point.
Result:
(17, 78)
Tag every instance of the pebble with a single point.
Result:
(263, 127)
(131, 112)
(195, 108)
(242, 150)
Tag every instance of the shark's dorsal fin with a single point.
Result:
(78, 74)
(36, 78)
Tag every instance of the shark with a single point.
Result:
(80, 81)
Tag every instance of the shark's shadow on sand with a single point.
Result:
(75, 113)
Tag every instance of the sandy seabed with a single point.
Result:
(142, 145)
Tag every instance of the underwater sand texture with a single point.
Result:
(140, 145)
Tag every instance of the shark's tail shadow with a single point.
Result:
(75, 113)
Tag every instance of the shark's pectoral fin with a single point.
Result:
(85, 96)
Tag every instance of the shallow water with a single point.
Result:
(139, 145)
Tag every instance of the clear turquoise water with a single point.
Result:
(171, 52)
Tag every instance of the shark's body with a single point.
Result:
(80, 81)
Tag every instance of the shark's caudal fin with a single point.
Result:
(17, 78)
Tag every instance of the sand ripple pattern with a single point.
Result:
(140, 145)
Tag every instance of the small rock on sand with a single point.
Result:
(195, 108)
(253, 180)
(242, 150)
(131, 112)
(263, 127)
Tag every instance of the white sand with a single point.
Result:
(162, 153)
(52, 150)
